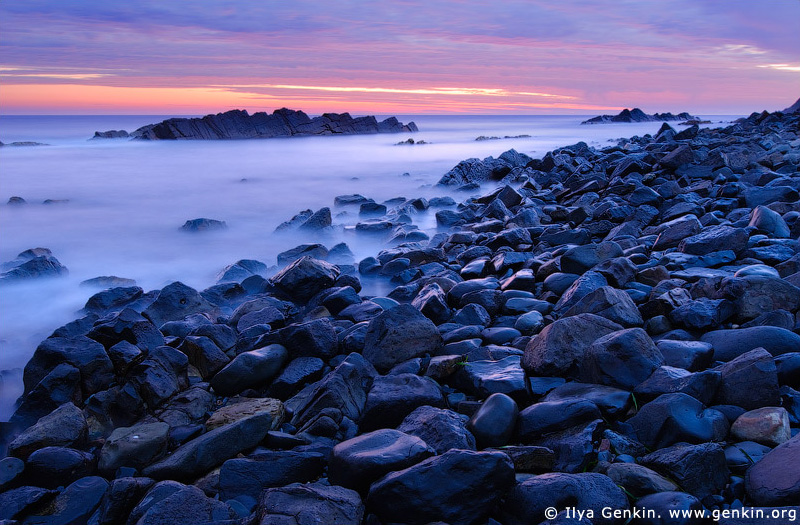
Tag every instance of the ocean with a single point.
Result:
(120, 204)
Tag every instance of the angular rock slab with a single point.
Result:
(459, 487)
(203, 453)
(622, 359)
(529, 500)
(700, 470)
(439, 428)
(63, 427)
(775, 480)
(310, 504)
(305, 278)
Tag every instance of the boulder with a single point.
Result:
(393, 397)
(397, 335)
(700, 470)
(484, 378)
(775, 479)
(358, 462)
(675, 418)
(460, 487)
(729, 344)
(441, 429)
(174, 302)
(528, 501)
(493, 423)
(136, 447)
(305, 277)
(768, 426)
(310, 504)
(557, 350)
(63, 427)
(253, 369)
(211, 449)
(241, 478)
(186, 506)
(615, 305)
(749, 381)
(621, 359)
(88, 356)
(75, 504)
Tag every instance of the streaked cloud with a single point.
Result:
(512, 55)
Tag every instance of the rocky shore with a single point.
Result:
(238, 124)
(608, 331)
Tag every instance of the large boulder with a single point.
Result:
(310, 504)
(305, 278)
(253, 369)
(589, 492)
(359, 461)
(700, 470)
(557, 350)
(674, 418)
(397, 335)
(459, 487)
(393, 397)
(439, 428)
(615, 305)
(186, 506)
(136, 446)
(729, 344)
(714, 239)
(749, 381)
(211, 449)
(621, 359)
(174, 302)
(775, 479)
(88, 356)
(74, 505)
(63, 427)
(241, 478)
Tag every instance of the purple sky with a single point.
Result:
(432, 56)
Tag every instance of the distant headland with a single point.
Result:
(637, 115)
(238, 124)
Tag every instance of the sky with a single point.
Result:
(193, 57)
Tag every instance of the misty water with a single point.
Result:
(124, 202)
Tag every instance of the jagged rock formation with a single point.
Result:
(637, 115)
(238, 124)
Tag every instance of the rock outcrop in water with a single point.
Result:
(612, 331)
(637, 115)
(238, 124)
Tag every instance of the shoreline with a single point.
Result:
(599, 266)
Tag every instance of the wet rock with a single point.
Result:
(558, 349)
(175, 302)
(310, 504)
(122, 495)
(393, 397)
(242, 408)
(700, 470)
(729, 344)
(768, 426)
(775, 479)
(689, 355)
(432, 303)
(135, 447)
(769, 222)
(32, 264)
(714, 239)
(295, 376)
(305, 277)
(75, 505)
(612, 402)
(358, 462)
(203, 224)
(63, 427)
(10, 470)
(112, 299)
(663, 503)
(130, 326)
(666, 380)
(493, 424)
(460, 487)
(441, 429)
(253, 369)
(741, 456)
(186, 506)
(621, 359)
(749, 381)
(204, 355)
(61, 385)
(484, 378)
(201, 454)
(319, 220)
(574, 447)
(249, 476)
(52, 467)
(344, 388)
(161, 375)
(528, 501)
(397, 335)
(16, 502)
(551, 416)
(638, 480)
(615, 305)
(675, 418)
(89, 357)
